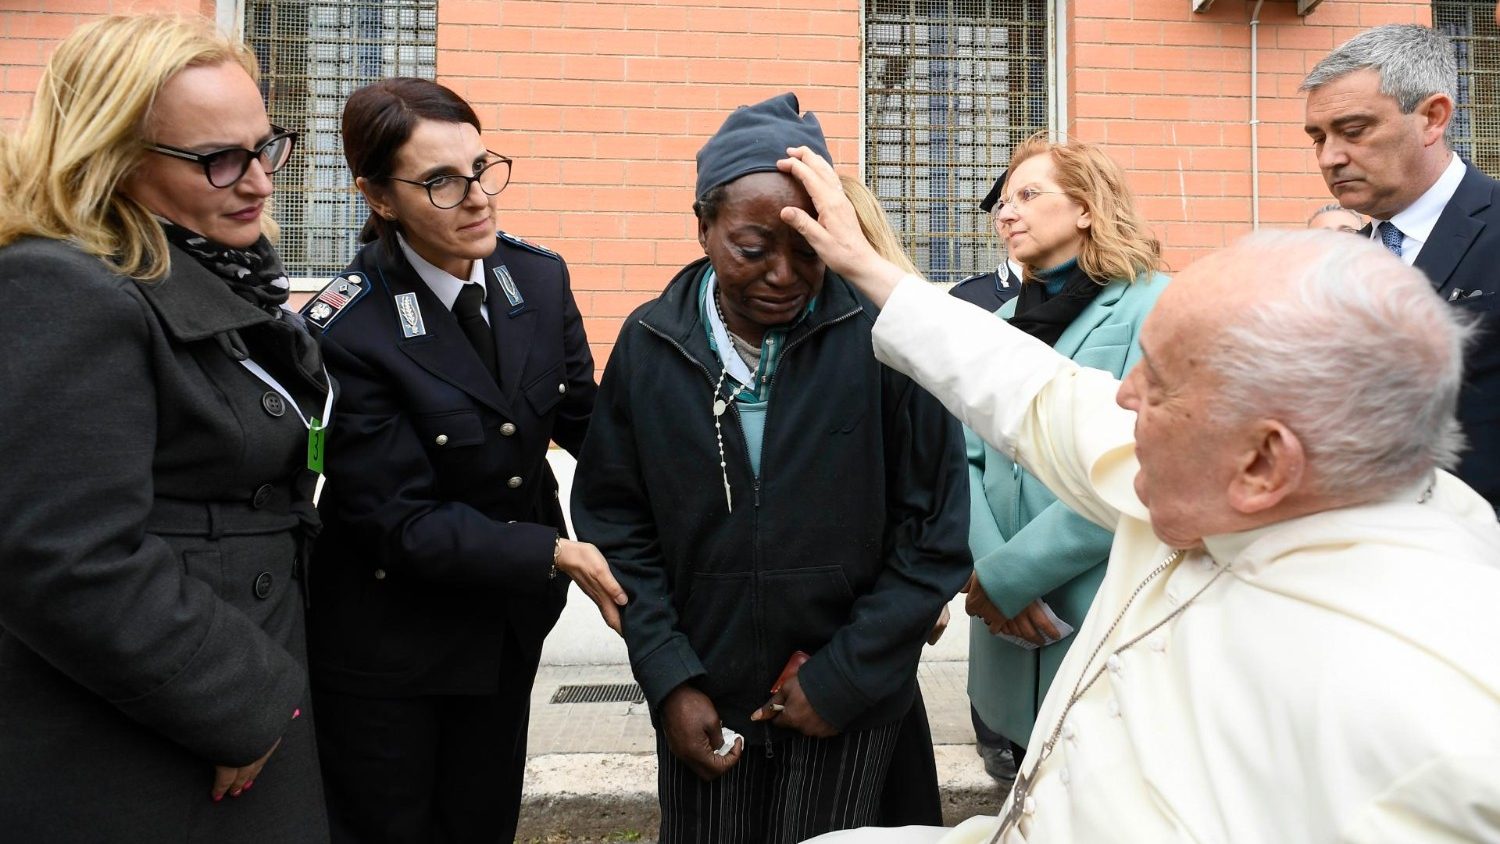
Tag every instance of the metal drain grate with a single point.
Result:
(600, 693)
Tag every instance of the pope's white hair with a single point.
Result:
(1355, 352)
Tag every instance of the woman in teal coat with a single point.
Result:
(1091, 278)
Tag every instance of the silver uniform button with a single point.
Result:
(380, 574)
(442, 439)
(562, 388)
(514, 483)
(508, 430)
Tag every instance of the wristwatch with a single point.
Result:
(556, 555)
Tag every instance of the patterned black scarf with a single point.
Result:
(255, 274)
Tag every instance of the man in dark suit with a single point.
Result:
(1378, 108)
(992, 289)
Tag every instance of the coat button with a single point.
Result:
(262, 496)
(442, 439)
(1158, 643)
(508, 430)
(562, 388)
(514, 483)
(263, 583)
(1113, 708)
(380, 574)
(1028, 806)
(1114, 664)
(273, 403)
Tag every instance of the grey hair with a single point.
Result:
(1359, 357)
(1331, 207)
(1414, 62)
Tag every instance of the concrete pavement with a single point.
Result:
(591, 767)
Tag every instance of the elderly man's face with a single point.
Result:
(1371, 155)
(1187, 455)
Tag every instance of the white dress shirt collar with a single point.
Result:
(444, 284)
(1418, 219)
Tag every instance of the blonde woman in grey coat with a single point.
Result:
(157, 496)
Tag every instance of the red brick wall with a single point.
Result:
(604, 105)
(29, 29)
(1167, 92)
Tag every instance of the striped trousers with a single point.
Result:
(806, 787)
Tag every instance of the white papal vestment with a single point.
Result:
(1336, 677)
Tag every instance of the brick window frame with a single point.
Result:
(950, 87)
(313, 54)
(1475, 131)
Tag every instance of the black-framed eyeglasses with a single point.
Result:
(224, 167)
(449, 190)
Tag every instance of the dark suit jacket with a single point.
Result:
(440, 510)
(151, 622)
(988, 290)
(1462, 258)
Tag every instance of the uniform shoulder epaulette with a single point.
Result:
(528, 245)
(334, 299)
(974, 277)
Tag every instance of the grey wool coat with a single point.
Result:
(154, 508)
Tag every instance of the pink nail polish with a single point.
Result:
(296, 713)
(216, 797)
(247, 786)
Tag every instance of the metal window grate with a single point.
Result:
(600, 693)
(313, 55)
(1475, 132)
(950, 86)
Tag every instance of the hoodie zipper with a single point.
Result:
(755, 607)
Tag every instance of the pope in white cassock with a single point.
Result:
(1298, 637)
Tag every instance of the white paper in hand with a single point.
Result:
(1064, 630)
(729, 737)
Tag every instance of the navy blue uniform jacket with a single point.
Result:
(988, 290)
(441, 512)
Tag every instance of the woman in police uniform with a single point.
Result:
(460, 354)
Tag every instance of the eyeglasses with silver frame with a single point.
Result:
(1023, 196)
(224, 167)
(450, 189)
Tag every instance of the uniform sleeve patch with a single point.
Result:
(528, 245)
(337, 296)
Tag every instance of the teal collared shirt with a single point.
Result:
(751, 390)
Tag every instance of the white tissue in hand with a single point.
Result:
(729, 737)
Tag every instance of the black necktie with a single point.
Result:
(466, 308)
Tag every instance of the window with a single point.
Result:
(1475, 133)
(950, 87)
(313, 55)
